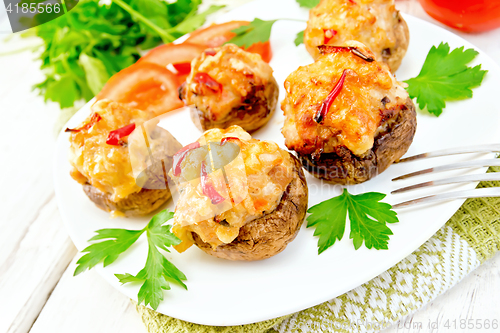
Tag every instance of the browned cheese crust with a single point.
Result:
(343, 167)
(369, 125)
(253, 113)
(247, 96)
(268, 235)
(105, 170)
(375, 23)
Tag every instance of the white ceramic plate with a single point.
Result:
(231, 293)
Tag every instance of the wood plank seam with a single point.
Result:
(50, 294)
(10, 259)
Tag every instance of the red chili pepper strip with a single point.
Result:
(327, 49)
(183, 68)
(208, 188)
(115, 136)
(206, 80)
(210, 52)
(180, 155)
(329, 34)
(327, 103)
(93, 120)
(227, 139)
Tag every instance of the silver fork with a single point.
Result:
(475, 193)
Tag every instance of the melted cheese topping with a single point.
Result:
(371, 22)
(236, 70)
(256, 173)
(104, 166)
(354, 116)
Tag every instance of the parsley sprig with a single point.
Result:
(445, 76)
(368, 217)
(157, 272)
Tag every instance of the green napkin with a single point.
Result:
(468, 239)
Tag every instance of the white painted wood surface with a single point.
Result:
(37, 290)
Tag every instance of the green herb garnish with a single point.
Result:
(445, 76)
(308, 3)
(157, 272)
(85, 47)
(367, 215)
(258, 31)
(300, 38)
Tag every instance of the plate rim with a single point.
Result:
(274, 314)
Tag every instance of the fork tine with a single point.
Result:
(460, 165)
(476, 193)
(490, 148)
(461, 179)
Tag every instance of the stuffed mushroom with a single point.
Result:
(239, 198)
(376, 23)
(100, 159)
(229, 86)
(346, 116)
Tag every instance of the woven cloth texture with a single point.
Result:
(469, 238)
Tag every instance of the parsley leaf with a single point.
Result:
(154, 10)
(180, 9)
(151, 275)
(95, 72)
(445, 76)
(157, 272)
(118, 241)
(308, 3)
(257, 31)
(63, 90)
(154, 277)
(329, 219)
(300, 38)
(195, 21)
(368, 217)
(160, 235)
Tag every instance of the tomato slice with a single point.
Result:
(179, 55)
(218, 34)
(172, 54)
(145, 86)
(264, 49)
